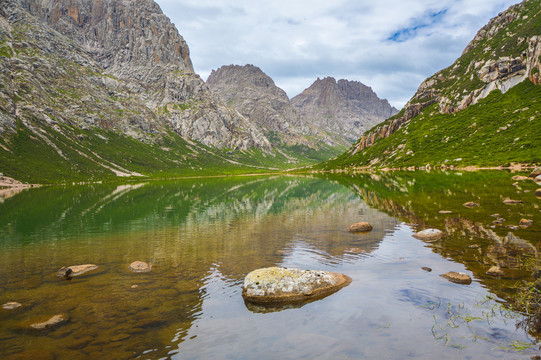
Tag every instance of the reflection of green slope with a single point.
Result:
(422, 195)
(471, 238)
(69, 211)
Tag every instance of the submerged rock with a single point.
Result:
(445, 212)
(426, 268)
(470, 204)
(11, 305)
(457, 277)
(360, 227)
(538, 193)
(139, 267)
(75, 270)
(281, 285)
(56, 320)
(520, 178)
(511, 201)
(525, 222)
(494, 271)
(428, 234)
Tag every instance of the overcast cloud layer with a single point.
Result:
(390, 45)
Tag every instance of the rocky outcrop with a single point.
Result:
(111, 64)
(348, 108)
(281, 285)
(390, 126)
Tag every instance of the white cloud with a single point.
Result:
(390, 45)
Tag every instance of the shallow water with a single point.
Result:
(203, 236)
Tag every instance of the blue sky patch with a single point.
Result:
(426, 21)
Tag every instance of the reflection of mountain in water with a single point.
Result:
(192, 231)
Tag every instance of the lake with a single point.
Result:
(202, 236)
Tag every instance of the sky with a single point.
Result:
(389, 45)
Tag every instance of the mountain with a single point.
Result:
(482, 110)
(347, 108)
(142, 55)
(254, 94)
(94, 89)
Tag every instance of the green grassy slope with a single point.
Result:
(90, 155)
(501, 129)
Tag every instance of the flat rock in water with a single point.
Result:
(426, 268)
(75, 270)
(525, 222)
(360, 227)
(445, 212)
(52, 322)
(457, 277)
(275, 285)
(538, 193)
(428, 234)
(494, 271)
(470, 204)
(510, 201)
(11, 305)
(139, 267)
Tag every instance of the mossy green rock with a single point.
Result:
(282, 285)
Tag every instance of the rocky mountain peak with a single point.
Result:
(254, 94)
(348, 108)
(240, 78)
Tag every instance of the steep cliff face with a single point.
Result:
(126, 53)
(482, 110)
(504, 53)
(348, 108)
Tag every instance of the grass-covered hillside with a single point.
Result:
(67, 153)
(483, 110)
(499, 130)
